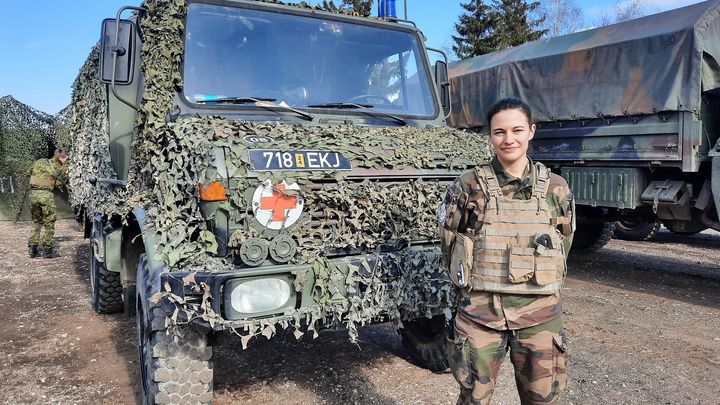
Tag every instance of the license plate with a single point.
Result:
(268, 159)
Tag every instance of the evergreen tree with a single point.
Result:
(513, 23)
(476, 30)
(486, 29)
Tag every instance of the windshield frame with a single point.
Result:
(320, 15)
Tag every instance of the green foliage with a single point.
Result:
(488, 28)
(359, 7)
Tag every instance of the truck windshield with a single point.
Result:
(302, 61)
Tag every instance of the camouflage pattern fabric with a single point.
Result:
(509, 318)
(43, 214)
(45, 175)
(538, 354)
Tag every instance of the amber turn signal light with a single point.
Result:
(212, 192)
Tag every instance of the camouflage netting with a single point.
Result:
(25, 135)
(63, 128)
(171, 158)
(89, 153)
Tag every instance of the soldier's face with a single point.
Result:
(510, 134)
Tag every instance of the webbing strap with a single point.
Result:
(486, 176)
(506, 219)
(491, 259)
(524, 288)
(542, 180)
(530, 231)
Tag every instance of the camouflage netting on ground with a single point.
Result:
(25, 135)
(171, 158)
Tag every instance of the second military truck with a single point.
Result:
(628, 114)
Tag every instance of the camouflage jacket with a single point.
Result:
(462, 209)
(48, 174)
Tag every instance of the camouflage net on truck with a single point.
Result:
(172, 157)
(90, 153)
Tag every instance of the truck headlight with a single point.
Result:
(259, 295)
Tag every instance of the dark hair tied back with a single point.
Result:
(510, 103)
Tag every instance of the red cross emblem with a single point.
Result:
(278, 203)
(274, 208)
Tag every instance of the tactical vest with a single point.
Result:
(518, 249)
(42, 181)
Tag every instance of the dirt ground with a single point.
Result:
(643, 320)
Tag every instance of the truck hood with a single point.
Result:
(371, 188)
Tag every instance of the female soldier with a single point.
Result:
(506, 228)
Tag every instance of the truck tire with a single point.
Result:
(635, 230)
(105, 288)
(591, 237)
(425, 341)
(175, 361)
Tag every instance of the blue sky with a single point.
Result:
(44, 42)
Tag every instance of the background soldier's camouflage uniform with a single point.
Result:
(486, 324)
(46, 175)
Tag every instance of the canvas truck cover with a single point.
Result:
(661, 62)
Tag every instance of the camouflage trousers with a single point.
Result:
(538, 354)
(43, 214)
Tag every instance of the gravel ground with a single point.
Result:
(643, 320)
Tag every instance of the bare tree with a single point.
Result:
(623, 11)
(561, 17)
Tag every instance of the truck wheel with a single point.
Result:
(636, 230)
(591, 237)
(425, 341)
(175, 361)
(105, 288)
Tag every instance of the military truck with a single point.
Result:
(627, 114)
(249, 167)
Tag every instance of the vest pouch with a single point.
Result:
(461, 260)
(549, 266)
(521, 264)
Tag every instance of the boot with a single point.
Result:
(33, 251)
(49, 253)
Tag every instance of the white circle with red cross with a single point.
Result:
(274, 208)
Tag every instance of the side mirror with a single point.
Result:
(443, 85)
(117, 61)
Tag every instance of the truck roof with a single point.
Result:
(661, 62)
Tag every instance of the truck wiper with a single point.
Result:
(260, 102)
(367, 108)
(234, 100)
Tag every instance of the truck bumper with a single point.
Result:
(409, 285)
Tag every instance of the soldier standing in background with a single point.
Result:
(506, 228)
(45, 176)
